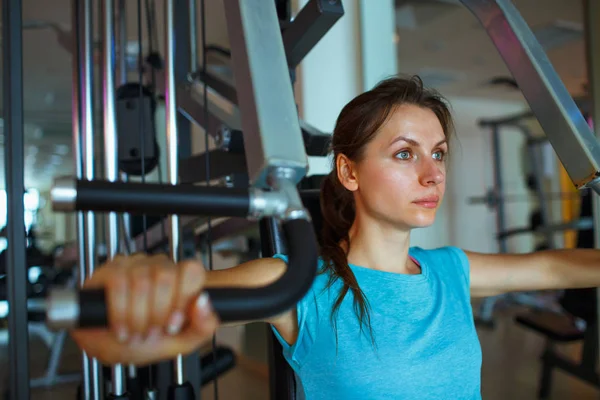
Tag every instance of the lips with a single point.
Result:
(428, 202)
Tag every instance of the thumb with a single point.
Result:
(202, 317)
(200, 328)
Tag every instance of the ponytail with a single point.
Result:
(337, 207)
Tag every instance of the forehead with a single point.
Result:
(418, 123)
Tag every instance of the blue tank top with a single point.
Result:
(425, 343)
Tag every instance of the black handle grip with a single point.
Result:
(144, 198)
(231, 304)
(215, 364)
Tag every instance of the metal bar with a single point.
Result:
(575, 370)
(315, 19)
(226, 228)
(282, 384)
(591, 12)
(231, 227)
(123, 41)
(161, 199)
(158, 237)
(125, 242)
(576, 225)
(190, 104)
(222, 163)
(568, 132)
(12, 60)
(111, 169)
(498, 188)
(589, 351)
(316, 142)
(222, 87)
(272, 136)
(220, 110)
(183, 59)
(284, 10)
(77, 23)
(88, 170)
(535, 156)
(122, 29)
(509, 120)
(172, 145)
(186, 56)
(193, 11)
(77, 119)
(186, 60)
(216, 364)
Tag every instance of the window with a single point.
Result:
(31, 203)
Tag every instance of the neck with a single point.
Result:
(378, 246)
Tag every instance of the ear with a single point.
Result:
(346, 171)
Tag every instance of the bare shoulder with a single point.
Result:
(257, 273)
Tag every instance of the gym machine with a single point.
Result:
(541, 220)
(278, 168)
(580, 303)
(273, 169)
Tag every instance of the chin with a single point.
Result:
(420, 224)
(422, 220)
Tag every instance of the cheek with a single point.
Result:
(386, 181)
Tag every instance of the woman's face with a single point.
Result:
(401, 178)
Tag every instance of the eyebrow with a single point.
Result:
(414, 142)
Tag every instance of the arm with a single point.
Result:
(257, 273)
(156, 310)
(493, 274)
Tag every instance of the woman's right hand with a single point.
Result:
(156, 310)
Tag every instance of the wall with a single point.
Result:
(379, 58)
(330, 75)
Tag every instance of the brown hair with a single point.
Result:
(356, 126)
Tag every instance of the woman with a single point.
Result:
(383, 319)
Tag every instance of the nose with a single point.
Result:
(432, 173)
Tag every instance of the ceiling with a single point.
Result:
(437, 39)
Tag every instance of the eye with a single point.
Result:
(439, 155)
(403, 155)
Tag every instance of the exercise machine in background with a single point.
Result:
(275, 165)
(542, 224)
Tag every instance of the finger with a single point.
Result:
(203, 325)
(165, 279)
(100, 277)
(190, 282)
(140, 284)
(117, 294)
(131, 260)
(104, 272)
(202, 316)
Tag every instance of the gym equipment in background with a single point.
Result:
(131, 125)
(269, 166)
(576, 321)
(541, 222)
